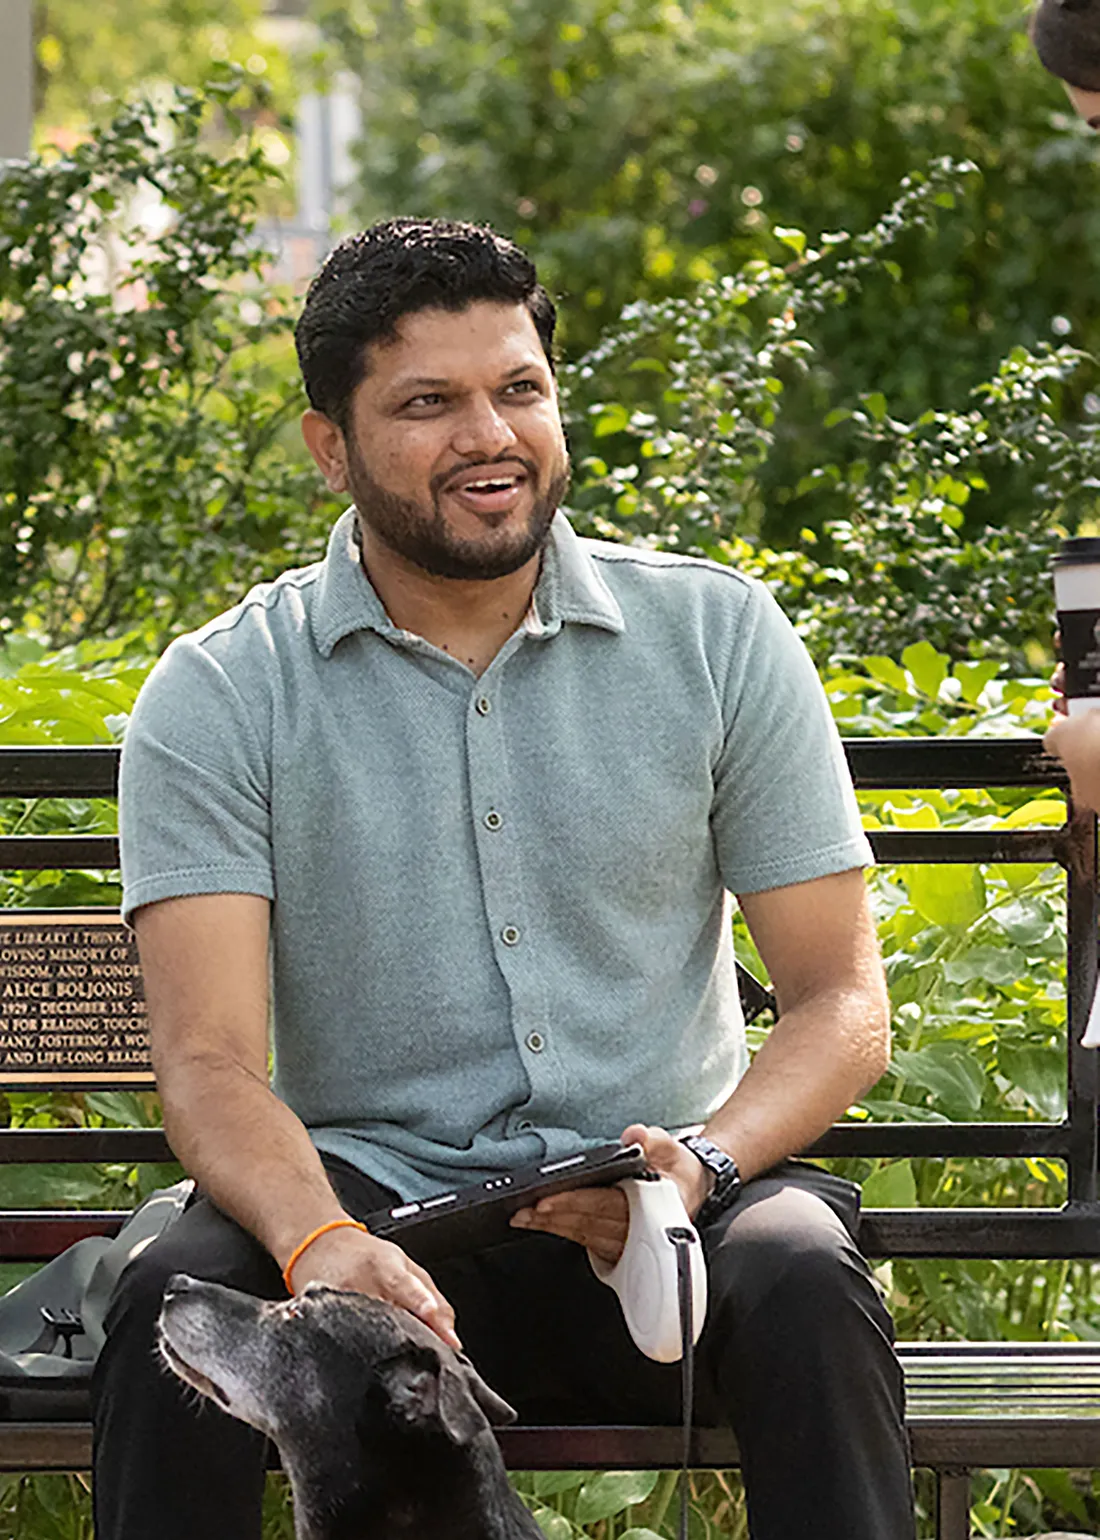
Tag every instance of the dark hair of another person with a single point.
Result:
(370, 280)
(1066, 35)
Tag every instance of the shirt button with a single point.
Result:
(483, 705)
(493, 820)
(510, 935)
(535, 1041)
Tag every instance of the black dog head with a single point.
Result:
(360, 1397)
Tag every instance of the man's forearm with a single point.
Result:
(247, 1150)
(820, 1057)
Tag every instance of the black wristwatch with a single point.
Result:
(727, 1178)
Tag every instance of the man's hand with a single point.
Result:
(597, 1217)
(349, 1259)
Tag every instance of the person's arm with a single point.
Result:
(832, 1040)
(830, 1044)
(205, 964)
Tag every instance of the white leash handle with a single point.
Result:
(645, 1276)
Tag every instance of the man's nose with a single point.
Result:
(482, 430)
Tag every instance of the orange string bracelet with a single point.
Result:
(296, 1254)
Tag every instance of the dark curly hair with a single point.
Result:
(1066, 35)
(370, 280)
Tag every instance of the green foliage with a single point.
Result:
(632, 1505)
(639, 148)
(676, 415)
(152, 472)
(83, 60)
(144, 381)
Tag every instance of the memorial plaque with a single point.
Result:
(72, 1002)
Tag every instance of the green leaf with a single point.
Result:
(639, 1534)
(1040, 1073)
(951, 896)
(891, 1186)
(122, 1108)
(1049, 812)
(949, 1071)
(555, 1526)
(1027, 921)
(795, 239)
(611, 1492)
(973, 678)
(549, 1483)
(875, 402)
(611, 419)
(55, 1186)
(887, 672)
(991, 964)
(927, 666)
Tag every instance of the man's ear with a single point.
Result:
(325, 442)
(428, 1391)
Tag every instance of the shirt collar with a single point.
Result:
(570, 589)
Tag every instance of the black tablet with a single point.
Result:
(476, 1217)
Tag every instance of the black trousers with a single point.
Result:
(797, 1354)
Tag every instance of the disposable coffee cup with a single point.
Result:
(1077, 600)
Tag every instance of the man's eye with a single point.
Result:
(524, 386)
(429, 398)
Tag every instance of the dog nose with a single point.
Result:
(179, 1283)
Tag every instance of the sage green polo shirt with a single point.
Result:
(501, 922)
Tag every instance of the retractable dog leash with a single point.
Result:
(683, 1240)
(661, 1281)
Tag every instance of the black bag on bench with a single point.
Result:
(51, 1324)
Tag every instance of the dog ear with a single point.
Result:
(426, 1390)
(495, 1407)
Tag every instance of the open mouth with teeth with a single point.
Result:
(488, 493)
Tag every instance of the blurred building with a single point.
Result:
(16, 78)
(326, 129)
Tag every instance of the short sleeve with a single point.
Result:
(784, 808)
(194, 803)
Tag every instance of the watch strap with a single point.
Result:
(727, 1178)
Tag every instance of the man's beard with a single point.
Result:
(426, 540)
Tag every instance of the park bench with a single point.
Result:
(971, 1405)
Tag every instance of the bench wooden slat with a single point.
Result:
(1005, 1140)
(1042, 847)
(937, 1442)
(1011, 1233)
(69, 852)
(124, 1146)
(35, 1235)
(876, 764)
(130, 1146)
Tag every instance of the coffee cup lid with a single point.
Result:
(1079, 550)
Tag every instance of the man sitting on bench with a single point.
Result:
(464, 802)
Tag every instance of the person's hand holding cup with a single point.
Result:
(1074, 735)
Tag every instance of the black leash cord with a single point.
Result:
(683, 1240)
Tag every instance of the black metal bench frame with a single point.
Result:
(1043, 1422)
